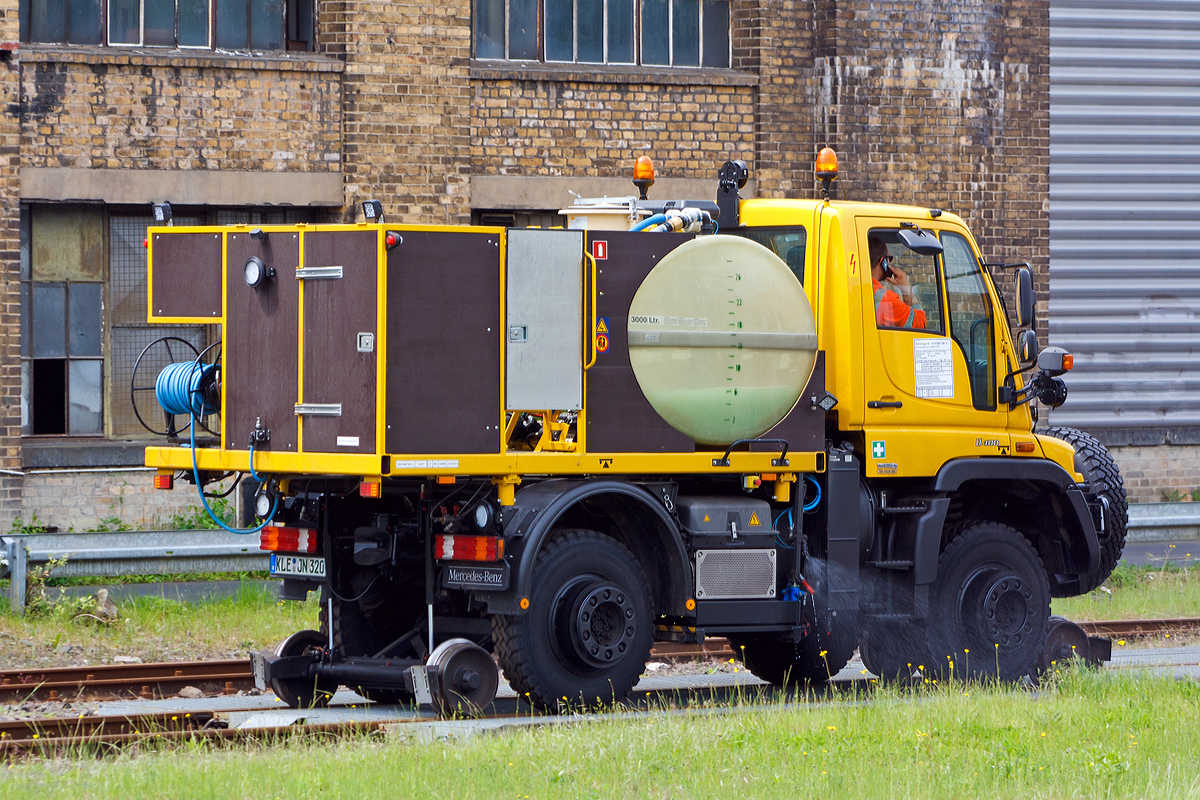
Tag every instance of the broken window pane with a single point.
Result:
(48, 412)
(49, 324)
(26, 388)
(85, 391)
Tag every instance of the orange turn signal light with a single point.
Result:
(827, 163)
(446, 479)
(1025, 447)
(1068, 361)
(166, 481)
(643, 169)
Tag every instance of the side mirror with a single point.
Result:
(1027, 347)
(1025, 297)
(920, 242)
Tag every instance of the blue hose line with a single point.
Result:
(647, 222)
(204, 500)
(816, 501)
(177, 388)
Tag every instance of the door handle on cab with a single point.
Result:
(884, 404)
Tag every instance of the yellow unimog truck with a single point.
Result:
(803, 425)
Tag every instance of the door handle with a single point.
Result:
(884, 404)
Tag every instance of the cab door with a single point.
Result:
(930, 384)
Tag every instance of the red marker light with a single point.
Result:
(145, 242)
(391, 239)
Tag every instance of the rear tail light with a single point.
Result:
(278, 538)
(166, 481)
(468, 548)
(369, 489)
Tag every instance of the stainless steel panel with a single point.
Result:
(1125, 210)
(735, 574)
(544, 350)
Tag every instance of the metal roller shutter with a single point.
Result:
(1125, 210)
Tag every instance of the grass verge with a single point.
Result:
(1084, 735)
(1137, 592)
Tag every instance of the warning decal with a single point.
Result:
(602, 325)
(754, 518)
(601, 343)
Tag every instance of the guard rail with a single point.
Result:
(127, 553)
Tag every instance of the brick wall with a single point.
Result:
(1149, 471)
(106, 109)
(84, 501)
(406, 104)
(10, 262)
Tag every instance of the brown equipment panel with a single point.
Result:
(187, 276)
(443, 343)
(261, 333)
(336, 311)
(619, 417)
(803, 428)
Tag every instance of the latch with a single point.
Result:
(518, 333)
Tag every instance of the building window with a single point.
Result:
(676, 33)
(62, 320)
(238, 24)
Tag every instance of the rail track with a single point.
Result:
(160, 680)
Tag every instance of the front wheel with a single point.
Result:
(587, 634)
(1096, 465)
(989, 606)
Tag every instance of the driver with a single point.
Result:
(895, 306)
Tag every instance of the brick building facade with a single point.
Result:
(943, 105)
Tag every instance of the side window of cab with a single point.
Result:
(905, 284)
(971, 325)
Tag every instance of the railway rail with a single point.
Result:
(150, 681)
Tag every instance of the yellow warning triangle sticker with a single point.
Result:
(754, 519)
(706, 519)
(601, 327)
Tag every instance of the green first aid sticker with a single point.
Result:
(878, 450)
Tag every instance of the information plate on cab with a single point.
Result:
(473, 576)
(297, 566)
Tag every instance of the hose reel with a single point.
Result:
(189, 388)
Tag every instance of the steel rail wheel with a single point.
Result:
(587, 634)
(989, 606)
(303, 692)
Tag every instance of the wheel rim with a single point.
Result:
(996, 607)
(594, 622)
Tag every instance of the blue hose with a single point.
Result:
(816, 501)
(647, 222)
(178, 390)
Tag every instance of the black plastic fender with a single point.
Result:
(955, 473)
(538, 508)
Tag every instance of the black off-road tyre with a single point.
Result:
(1092, 460)
(894, 652)
(989, 607)
(353, 635)
(813, 660)
(543, 652)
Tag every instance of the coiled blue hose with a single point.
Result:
(178, 391)
(816, 501)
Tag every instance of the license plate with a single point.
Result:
(297, 566)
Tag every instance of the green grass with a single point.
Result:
(1091, 735)
(155, 629)
(1138, 593)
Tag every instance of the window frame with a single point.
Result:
(289, 8)
(638, 57)
(940, 294)
(989, 390)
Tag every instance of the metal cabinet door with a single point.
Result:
(544, 326)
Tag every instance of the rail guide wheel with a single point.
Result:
(463, 678)
(311, 692)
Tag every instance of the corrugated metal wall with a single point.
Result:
(1125, 210)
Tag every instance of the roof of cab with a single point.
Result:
(763, 212)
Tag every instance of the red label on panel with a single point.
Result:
(600, 250)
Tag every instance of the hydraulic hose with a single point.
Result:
(648, 222)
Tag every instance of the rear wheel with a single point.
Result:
(1093, 461)
(587, 634)
(989, 606)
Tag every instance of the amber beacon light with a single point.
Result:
(826, 170)
(643, 175)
